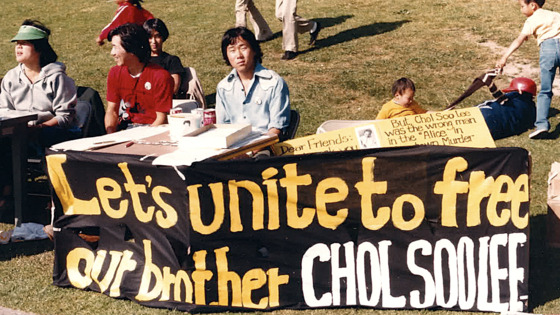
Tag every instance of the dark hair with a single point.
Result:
(42, 46)
(401, 85)
(158, 26)
(230, 37)
(136, 3)
(134, 39)
(540, 3)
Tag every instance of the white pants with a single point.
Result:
(261, 28)
(292, 24)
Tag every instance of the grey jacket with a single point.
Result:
(52, 95)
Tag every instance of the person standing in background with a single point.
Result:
(544, 25)
(260, 26)
(129, 11)
(292, 24)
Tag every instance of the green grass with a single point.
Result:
(365, 45)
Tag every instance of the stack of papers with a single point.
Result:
(84, 144)
(230, 138)
(11, 113)
(187, 156)
(216, 136)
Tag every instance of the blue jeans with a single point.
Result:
(549, 61)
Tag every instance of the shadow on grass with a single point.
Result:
(554, 133)
(325, 22)
(544, 278)
(38, 211)
(354, 33)
(330, 22)
(25, 248)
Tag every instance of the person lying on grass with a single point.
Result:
(513, 112)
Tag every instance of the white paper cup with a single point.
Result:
(199, 112)
(182, 123)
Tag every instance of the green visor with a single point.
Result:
(28, 32)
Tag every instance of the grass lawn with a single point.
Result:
(365, 45)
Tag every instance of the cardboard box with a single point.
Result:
(553, 202)
(217, 136)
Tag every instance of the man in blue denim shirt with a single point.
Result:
(251, 93)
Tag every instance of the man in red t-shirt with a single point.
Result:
(143, 90)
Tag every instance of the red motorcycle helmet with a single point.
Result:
(522, 84)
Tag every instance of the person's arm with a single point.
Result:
(418, 109)
(99, 41)
(175, 67)
(222, 116)
(512, 48)
(49, 123)
(113, 100)
(383, 114)
(111, 117)
(273, 131)
(176, 83)
(6, 101)
(163, 96)
(64, 101)
(279, 108)
(53, 122)
(124, 14)
(161, 118)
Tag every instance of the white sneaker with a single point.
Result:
(538, 134)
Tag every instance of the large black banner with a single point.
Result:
(414, 228)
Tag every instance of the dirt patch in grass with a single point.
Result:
(516, 66)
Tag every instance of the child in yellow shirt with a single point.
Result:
(403, 103)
